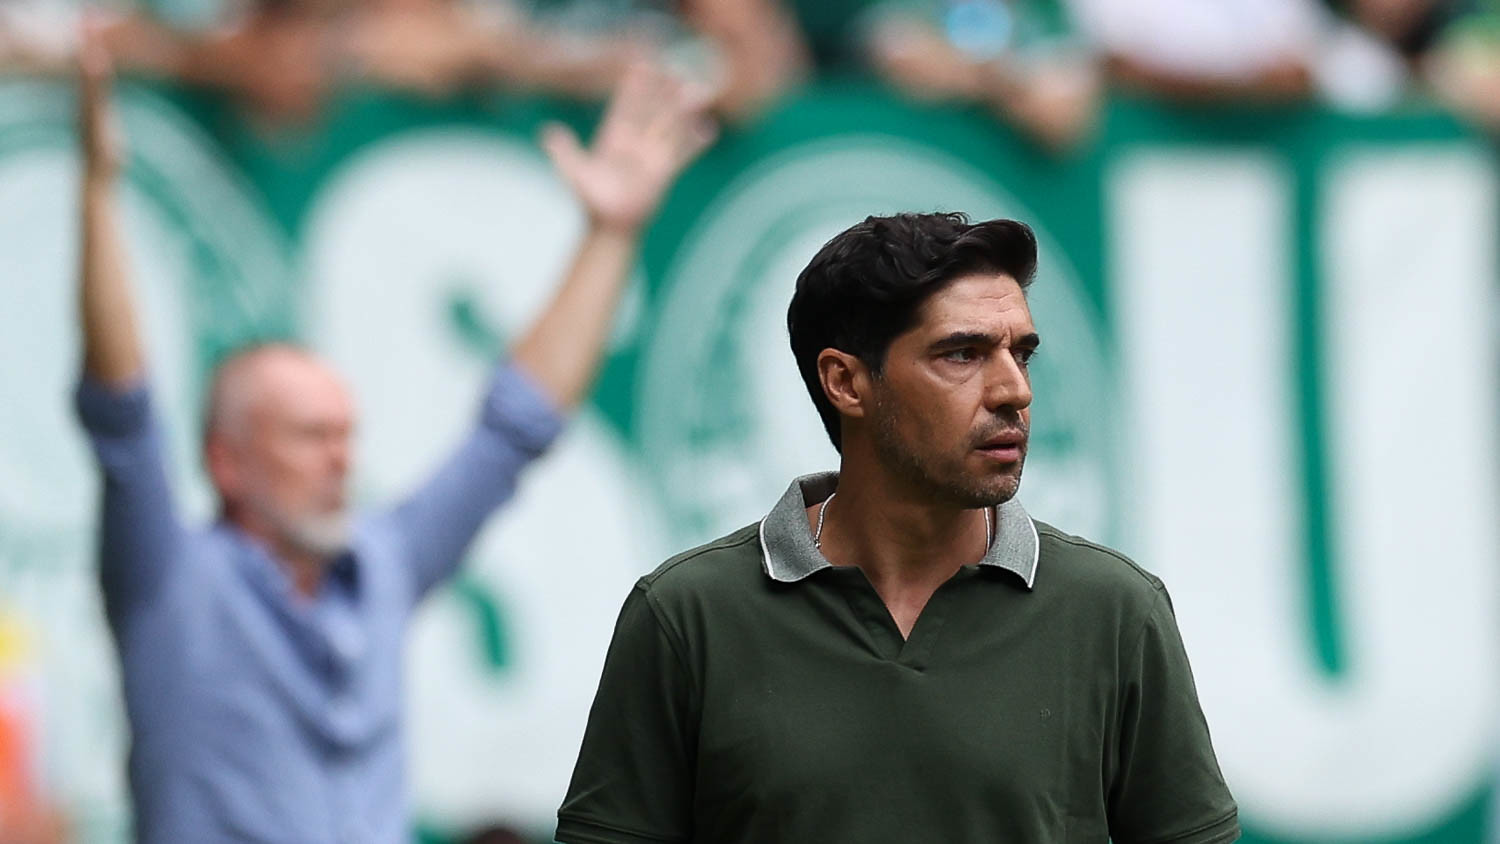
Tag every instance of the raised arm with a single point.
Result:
(111, 344)
(651, 129)
(139, 535)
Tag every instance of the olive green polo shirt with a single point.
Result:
(754, 692)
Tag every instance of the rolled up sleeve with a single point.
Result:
(140, 536)
(435, 525)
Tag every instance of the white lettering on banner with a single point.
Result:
(427, 252)
(1203, 262)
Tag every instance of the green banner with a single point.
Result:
(1269, 373)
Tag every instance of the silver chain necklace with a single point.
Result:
(989, 527)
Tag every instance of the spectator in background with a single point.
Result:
(261, 657)
(274, 61)
(1187, 49)
(19, 54)
(1452, 45)
(755, 51)
(1238, 51)
(1464, 69)
(761, 52)
(1019, 58)
(1013, 56)
(437, 46)
(283, 58)
(1412, 27)
(33, 39)
(286, 55)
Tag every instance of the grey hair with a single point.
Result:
(233, 392)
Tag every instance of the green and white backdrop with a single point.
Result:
(1269, 374)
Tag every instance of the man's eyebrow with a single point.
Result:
(959, 339)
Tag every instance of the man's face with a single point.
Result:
(951, 407)
(292, 456)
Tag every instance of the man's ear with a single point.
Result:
(220, 464)
(846, 381)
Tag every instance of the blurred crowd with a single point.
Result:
(1041, 65)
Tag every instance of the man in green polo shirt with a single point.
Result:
(898, 652)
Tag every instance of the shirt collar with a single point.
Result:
(272, 581)
(786, 541)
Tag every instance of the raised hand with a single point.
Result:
(112, 352)
(99, 137)
(654, 125)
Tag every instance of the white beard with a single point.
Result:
(324, 535)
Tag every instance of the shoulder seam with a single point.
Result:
(1146, 622)
(720, 544)
(1079, 542)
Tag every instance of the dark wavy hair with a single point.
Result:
(866, 285)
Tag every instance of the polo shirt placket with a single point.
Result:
(791, 556)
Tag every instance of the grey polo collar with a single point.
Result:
(789, 555)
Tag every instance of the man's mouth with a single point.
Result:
(1005, 447)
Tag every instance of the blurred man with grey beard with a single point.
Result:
(262, 656)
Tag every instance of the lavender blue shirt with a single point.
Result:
(256, 715)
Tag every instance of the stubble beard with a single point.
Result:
(940, 479)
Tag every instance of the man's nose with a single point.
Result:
(1009, 384)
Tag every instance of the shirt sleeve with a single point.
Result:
(140, 535)
(633, 783)
(435, 525)
(1167, 787)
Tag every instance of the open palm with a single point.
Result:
(654, 125)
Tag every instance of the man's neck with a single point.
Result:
(901, 539)
(305, 570)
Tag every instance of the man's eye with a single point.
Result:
(1025, 355)
(960, 355)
